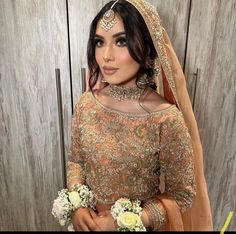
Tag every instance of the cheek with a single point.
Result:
(127, 60)
(128, 63)
(98, 57)
(125, 57)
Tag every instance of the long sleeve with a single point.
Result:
(176, 158)
(75, 171)
(177, 161)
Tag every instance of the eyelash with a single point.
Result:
(99, 42)
(121, 39)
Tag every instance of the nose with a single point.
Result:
(108, 54)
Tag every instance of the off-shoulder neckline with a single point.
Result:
(109, 109)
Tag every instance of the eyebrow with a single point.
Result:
(114, 36)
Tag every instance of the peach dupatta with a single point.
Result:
(172, 86)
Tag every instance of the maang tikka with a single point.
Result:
(108, 20)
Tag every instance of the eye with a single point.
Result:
(121, 42)
(98, 42)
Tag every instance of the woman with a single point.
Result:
(129, 140)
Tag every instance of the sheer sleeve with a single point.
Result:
(75, 163)
(176, 158)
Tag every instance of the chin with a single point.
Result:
(111, 81)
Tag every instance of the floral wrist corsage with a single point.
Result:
(127, 214)
(68, 201)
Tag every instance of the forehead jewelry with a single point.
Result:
(108, 19)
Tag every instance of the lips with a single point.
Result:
(109, 70)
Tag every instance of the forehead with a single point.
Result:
(118, 27)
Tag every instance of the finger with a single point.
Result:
(104, 213)
(84, 227)
(77, 226)
(93, 226)
(78, 229)
(87, 223)
(92, 223)
(93, 214)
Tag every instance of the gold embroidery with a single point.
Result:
(121, 155)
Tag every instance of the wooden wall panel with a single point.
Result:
(33, 42)
(81, 14)
(212, 50)
(174, 17)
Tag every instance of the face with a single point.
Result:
(112, 55)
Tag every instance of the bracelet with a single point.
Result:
(156, 211)
(68, 201)
(127, 213)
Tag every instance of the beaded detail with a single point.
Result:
(125, 93)
(108, 20)
(121, 155)
(156, 213)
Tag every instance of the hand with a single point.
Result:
(145, 219)
(83, 220)
(105, 221)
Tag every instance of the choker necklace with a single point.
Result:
(125, 93)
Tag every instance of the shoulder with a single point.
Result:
(82, 101)
(154, 101)
(83, 98)
(174, 122)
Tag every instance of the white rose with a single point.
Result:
(128, 220)
(62, 222)
(75, 199)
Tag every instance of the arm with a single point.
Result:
(75, 172)
(82, 218)
(176, 158)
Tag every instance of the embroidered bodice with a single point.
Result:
(122, 154)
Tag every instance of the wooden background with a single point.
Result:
(39, 36)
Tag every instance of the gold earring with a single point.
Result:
(103, 80)
(143, 81)
(153, 64)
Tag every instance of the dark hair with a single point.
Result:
(139, 41)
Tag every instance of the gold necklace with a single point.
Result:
(125, 93)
